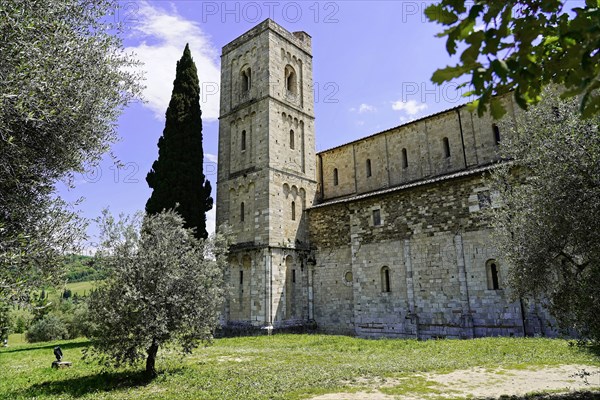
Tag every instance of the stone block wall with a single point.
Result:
(423, 272)
(329, 231)
(443, 143)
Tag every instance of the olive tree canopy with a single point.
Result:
(547, 227)
(64, 80)
(164, 286)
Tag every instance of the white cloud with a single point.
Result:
(410, 107)
(163, 35)
(211, 157)
(211, 220)
(363, 108)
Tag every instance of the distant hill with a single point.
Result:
(81, 268)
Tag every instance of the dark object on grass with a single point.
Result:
(59, 363)
(58, 353)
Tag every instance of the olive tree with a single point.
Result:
(547, 228)
(64, 80)
(164, 285)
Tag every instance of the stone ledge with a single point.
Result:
(61, 364)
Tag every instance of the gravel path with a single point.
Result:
(482, 383)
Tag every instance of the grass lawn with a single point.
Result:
(81, 288)
(276, 367)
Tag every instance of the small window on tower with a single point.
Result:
(335, 177)
(293, 210)
(368, 168)
(242, 212)
(290, 80)
(246, 80)
(241, 277)
(292, 139)
(243, 140)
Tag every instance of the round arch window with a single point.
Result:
(348, 277)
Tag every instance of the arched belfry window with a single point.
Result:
(292, 139)
(446, 144)
(496, 131)
(385, 280)
(293, 210)
(335, 177)
(369, 172)
(242, 212)
(243, 140)
(291, 80)
(493, 275)
(404, 159)
(246, 79)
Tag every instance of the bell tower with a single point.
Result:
(266, 174)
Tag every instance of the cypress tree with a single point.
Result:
(177, 176)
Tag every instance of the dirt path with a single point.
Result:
(480, 382)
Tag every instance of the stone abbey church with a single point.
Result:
(383, 236)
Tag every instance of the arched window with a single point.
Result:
(290, 80)
(242, 213)
(368, 168)
(246, 79)
(293, 210)
(292, 139)
(446, 147)
(385, 280)
(335, 177)
(496, 134)
(243, 140)
(493, 275)
(404, 159)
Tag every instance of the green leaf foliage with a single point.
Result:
(547, 229)
(522, 46)
(164, 286)
(64, 80)
(177, 176)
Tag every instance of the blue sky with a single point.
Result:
(372, 64)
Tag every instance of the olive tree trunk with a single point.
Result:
(151, 360)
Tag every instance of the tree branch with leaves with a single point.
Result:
(521, 46)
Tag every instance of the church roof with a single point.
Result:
(421, 182)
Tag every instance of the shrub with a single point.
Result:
(50, 327)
